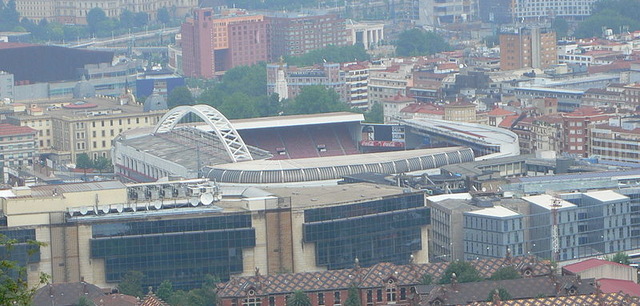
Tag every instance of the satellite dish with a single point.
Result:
(157, 205)
(105, 209)
(134, 207)
(84, 210)
(206, 198)
(194, 201)
(218, 197)
(120, 208)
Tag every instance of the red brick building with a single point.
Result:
(380, 284)
(215, 43)
(576, 126)
(295, 34)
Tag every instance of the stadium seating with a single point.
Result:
(303, 141)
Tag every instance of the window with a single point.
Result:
(403, 294)
(379, 295)
(336, 298)
(320, 298)
(391, 294)
(252, 302)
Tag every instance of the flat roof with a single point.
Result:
(330, 195)
(103, 108)
(606, 195)
(452, 196)
(496, 211)
(547, 201)
(333, 161)
(555, 90)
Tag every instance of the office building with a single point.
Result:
(493, 232)
(527, 48)
(214, 42)
(182, 230)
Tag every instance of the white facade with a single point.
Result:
(536, 9)
(368, 34)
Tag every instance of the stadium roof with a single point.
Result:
(292, 120)
(334, 168)
(479, 134)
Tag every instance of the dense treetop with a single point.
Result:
(416, 42)
(618, 15)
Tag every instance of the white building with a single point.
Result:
(365, 33)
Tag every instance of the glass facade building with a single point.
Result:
(182, 251)
(385, 230)
(21, 251)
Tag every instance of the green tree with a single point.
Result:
(84, 301)
(9, 15)
(131, 284)
(165, 290)
(103, 164)
(503, 294)
(14, 288)
(505, 273)
(561, 27)
(180, 96)
(239, 106)
(426, 279)
(298, 298)
(619, 257)
(465, 273)
(127, 19)
(316, 99)
(416, 42)
(83, 161)
(353, 297)
(179, 298)
(618, 15)
(375, 114)
(95, 19)
(164, 16)
(140, 19)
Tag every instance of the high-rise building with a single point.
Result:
(527, 48)
(214, 43)
(295, 34)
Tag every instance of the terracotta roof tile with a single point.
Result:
(589, 264)
(10, 129)
(500, 112)
(608, 285)
(370, 277)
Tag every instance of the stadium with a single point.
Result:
(299, 149)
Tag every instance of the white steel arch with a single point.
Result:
(233, 143)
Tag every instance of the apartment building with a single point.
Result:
(67, 128)
(294, 79)
(296, 33)
(75, 11)
(527, 48)
(214, 42)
